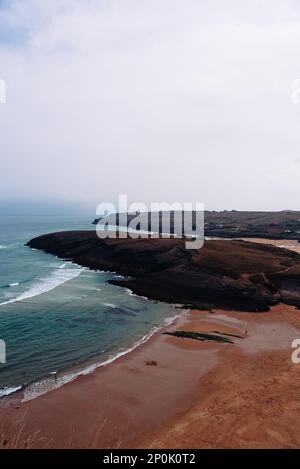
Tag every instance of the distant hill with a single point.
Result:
(231, 224)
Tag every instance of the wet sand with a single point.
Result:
(174, 392)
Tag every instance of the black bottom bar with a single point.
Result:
(149, 458)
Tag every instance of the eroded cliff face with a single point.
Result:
(233, 274)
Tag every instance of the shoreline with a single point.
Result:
(26, 393)
(11, 404)
(145, 396)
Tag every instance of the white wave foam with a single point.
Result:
(14, 284)
(8, 391)
(58, 277)
(130, 293)
(109, 305)
(37, 389)
(3, 247)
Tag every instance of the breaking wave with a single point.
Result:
(58, 277)
(8, 391)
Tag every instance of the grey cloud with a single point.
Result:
(162, 100)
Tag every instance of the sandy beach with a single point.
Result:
(292, 245)
(174, 392)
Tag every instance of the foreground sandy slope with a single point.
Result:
(251, 399)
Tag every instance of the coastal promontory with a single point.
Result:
(231, 274)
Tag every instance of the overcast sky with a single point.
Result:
(163, 100)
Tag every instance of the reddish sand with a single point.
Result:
(251, 399)
(193, 394)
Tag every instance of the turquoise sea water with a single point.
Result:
(58, 319)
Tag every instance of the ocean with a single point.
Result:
(57, 319)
